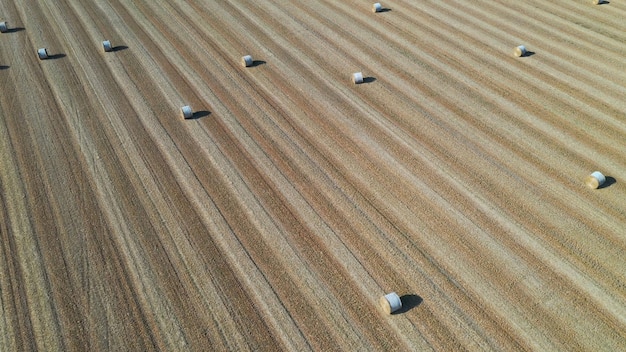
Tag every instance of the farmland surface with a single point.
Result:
(276, 216)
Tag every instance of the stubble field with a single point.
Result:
(276, 217)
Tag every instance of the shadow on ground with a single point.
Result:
(199, 114)
(408, 302)
(119, 48)
(13, 30)
(55, 56)
(608, 182)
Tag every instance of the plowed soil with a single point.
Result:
(278, 215)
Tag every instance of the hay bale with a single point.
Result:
(42, 53)
(246, 61)
(4, 27)
(187, 112)
(357, 77)
(595, 180)
(520, 51)
(598, 2)
(106, 45)
(377, 7)
(390, 302)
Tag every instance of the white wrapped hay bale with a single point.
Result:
(246, 61)
(106, 45)
(377, 7)
(187, 112)
(42, 53)
(595, 180)
(390, 302)
(520, 51)
(4, 27)
(357, 77)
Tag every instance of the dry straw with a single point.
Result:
(42, 53)
(390, 302)
(377, 7)
(106, 45)
(595, 180)
(246, 61)
(357, 77)
(520, 51)
(4, 27)
(187, 112)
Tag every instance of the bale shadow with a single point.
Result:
(13, 30)
(604, 2)
(119, 48)
(3, 67)
(256, 63)
(55, 56)
(408, 302)
(369, 79)
(384, 9)
(199, 114)
(608, 182)
(528, 53)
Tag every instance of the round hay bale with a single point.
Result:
(4, 27)
(597, 2)
(246, 61)
(595, 180)
(42, 53)
(357, 77)
(106, 45)
(390, 302)
(377, 7)
(187, 112)
(520, 51)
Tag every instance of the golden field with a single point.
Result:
(278, 215)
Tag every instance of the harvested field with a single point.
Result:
(279, 213)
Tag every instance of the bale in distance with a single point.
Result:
(520, 51)
(4, 27)
(357, 78)
(187, 112)
(598, 2)
(246, 61)
(377, 7)
(595, 180)
(42, 53)
(390, 302)
(106, 45)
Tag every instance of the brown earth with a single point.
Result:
(294, 199)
